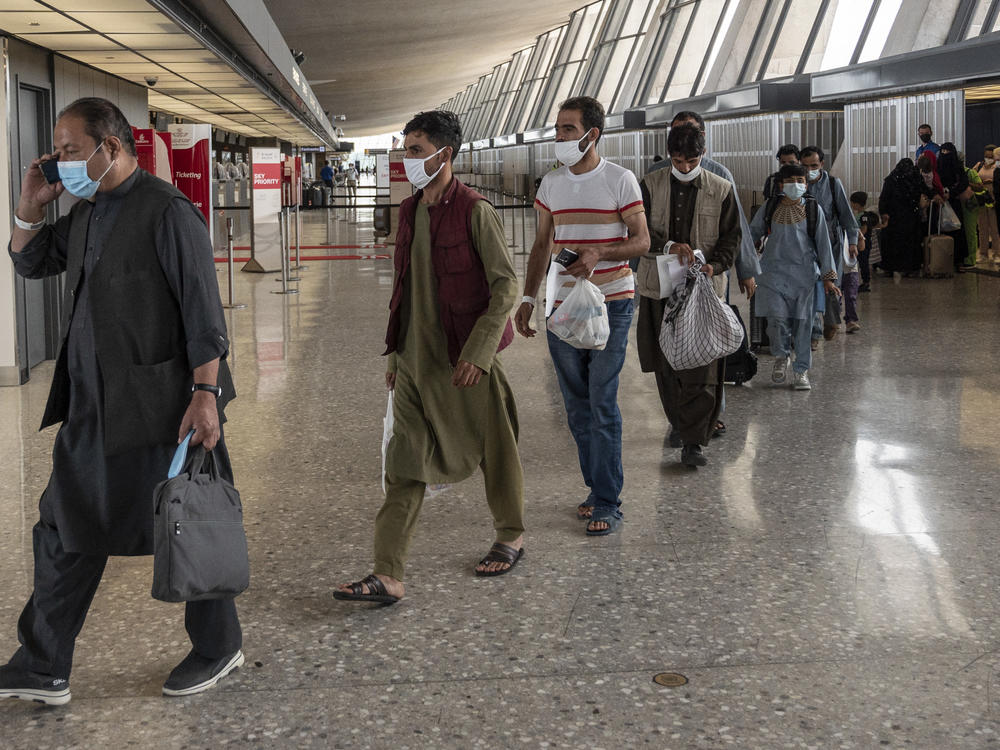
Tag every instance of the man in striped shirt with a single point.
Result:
(594, 208)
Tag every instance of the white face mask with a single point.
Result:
(814, 175)
(988, 160)
(569, 153)
(794, 190)
(416, 173)
(685, 176)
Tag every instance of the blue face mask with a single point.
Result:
(794, 190)
(74, 176)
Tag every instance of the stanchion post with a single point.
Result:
(229, 262)
(283, 233)
(298, 240)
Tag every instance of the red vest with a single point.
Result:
(463, 292)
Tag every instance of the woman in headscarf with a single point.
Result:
(955, 181)
(899, 207)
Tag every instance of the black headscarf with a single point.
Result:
(949, 167)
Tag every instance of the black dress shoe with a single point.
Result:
(692, 456)
(674, 439)
(198, 673)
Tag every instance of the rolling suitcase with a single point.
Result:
(939, 252)
(741, 365)
(758, 330)
(316, 196)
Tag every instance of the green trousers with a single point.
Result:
(504, 481)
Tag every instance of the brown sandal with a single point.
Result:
(500, 553)
(376, 592)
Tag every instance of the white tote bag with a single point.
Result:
(698, 327)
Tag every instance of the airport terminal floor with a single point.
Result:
(829, 580)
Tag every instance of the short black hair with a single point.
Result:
(686, 140)
(591, 112)
(791, 170)
(102, 119)
(441, 127)
(925, 125)
(657, 158)
(786, 150)
(860, 197)
(812, 150)
(687, 114)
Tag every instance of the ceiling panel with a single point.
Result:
(118, 6)
(143, 42)
(21, 5)
(129, 23)
(36, 22)
(99, 58)
(180, 55)
(203, 67)
(61, 42)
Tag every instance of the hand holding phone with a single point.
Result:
(50, 168)
(566, 257)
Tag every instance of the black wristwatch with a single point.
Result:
(217, 390)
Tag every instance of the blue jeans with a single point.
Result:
(789, 333)
(588, 379)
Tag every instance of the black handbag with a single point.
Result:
(199, 545)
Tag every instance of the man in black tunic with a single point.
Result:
(143, 361)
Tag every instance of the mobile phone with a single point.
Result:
(50, 168)
(566, 257)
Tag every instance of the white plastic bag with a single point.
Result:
(387, 425)
(582, 319)
(948, 220)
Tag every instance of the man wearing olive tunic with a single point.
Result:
(449, 317)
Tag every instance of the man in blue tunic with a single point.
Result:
(829, 193)
(143, 361)
(796, 255)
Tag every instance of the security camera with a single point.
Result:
(151, 80)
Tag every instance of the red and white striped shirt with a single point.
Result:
(590, 209)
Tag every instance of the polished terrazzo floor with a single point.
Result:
(830, 580)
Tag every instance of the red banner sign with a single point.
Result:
(193, 165)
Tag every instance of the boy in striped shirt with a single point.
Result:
(595, 209)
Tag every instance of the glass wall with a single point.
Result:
(576, 46)
(635, 53)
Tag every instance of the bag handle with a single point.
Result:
(202, 461)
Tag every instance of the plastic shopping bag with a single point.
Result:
(582, 319)
(948, 221)
(387, 425)
(698, 328)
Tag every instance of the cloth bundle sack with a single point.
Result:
(582, 319)
(199, 545)
(698, 327)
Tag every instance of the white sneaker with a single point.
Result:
(780, 370)
(800, 381)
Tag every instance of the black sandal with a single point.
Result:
(584, 511)
(376, 592)
(720, 429)
(500, 553)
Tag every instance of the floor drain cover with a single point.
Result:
(670, 679)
